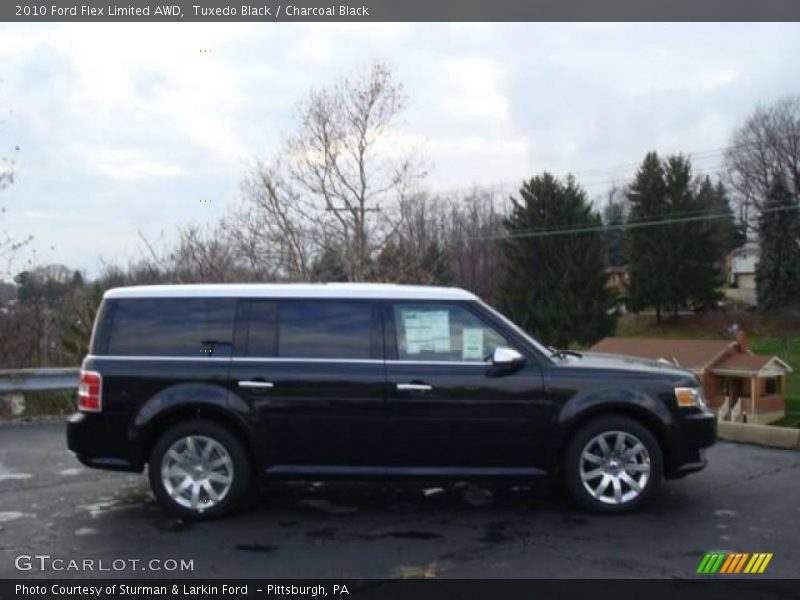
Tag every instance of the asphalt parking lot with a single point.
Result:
(747, 500)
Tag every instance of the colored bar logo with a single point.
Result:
(734, 563)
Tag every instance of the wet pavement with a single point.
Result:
(747, 500)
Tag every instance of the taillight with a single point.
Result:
(90, 396)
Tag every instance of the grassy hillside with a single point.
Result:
(777, 346)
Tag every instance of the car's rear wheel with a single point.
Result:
(613, 464)
(199, 469)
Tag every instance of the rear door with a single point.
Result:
(149, 344)
(143, 346)
(448, 405)
(312, 369)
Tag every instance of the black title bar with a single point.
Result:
(398, 10)
(712, 588)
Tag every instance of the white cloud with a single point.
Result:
(475, 88)
(121, 122)
(130, 165)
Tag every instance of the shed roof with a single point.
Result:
(689, 354)
(751, 364)
(718, 356)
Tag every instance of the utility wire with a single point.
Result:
(622, 169)
(694, 155)
(636, 224)
(513, 186)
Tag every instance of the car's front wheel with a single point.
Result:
(613, 464)
(199, 469)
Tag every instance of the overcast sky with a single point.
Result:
(127, 127)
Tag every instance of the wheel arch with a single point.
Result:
(636, 413)
(192, 402)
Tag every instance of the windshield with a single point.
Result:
(540, 347)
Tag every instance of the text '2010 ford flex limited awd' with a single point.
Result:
(210, 385)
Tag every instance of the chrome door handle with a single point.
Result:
(256, 384)
(418, 387)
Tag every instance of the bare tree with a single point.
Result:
(6, 171)
(474, 225)
(465, 227)
(9, 244)
(204, 256)
(199, 255)
(29, 329)
(339, 183)
(276, 230)
(768, 142)
(415, 252)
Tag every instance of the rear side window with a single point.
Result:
(263, 332)
(324, 329)
(172, 327)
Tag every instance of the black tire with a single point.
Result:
(239, 464)
(573, 463)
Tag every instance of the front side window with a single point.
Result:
(172, 327)
(325, 329)
(443, 332)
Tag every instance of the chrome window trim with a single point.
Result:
(355, 360)
(441, 362)
(136, 357)
(285, 359)
(289, 360)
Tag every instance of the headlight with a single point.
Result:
(690, 397)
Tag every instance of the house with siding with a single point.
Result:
(741, 263)
(739, 385)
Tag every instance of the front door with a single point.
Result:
(312, 371)
(448, 406)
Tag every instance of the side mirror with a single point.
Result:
(507, 357)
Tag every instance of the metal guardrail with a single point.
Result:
(32, 380)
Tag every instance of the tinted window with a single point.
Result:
(263, 329)
(443, 332)
(322, 329)
(172, 327)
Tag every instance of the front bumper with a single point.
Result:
(695, 432)
(99, 441)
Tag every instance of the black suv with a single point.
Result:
(210, 385)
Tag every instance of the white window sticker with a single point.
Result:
(426, 331)
(472, 343)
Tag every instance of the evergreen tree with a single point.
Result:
(778, 269)
(728, 233)
(400, 261)
(697, 254)
(676, 262)
(614, 222)
(554, 283)
(733, 231)
(435, 263)
(77, 279)
(648, 246)
(329, 266)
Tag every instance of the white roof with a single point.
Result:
(294, 290)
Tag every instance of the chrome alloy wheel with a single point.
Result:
(615, 467)
(197, 472)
